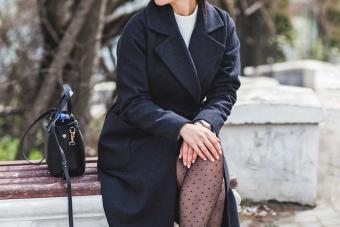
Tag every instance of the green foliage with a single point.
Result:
(35, 154)
(8, 148)
(264, 31)
(333, 15)
(333, 18)
(284, 33)
(329, 20)
(284, 29)
(284, 26)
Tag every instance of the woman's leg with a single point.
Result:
(200, 196)
(217, 214)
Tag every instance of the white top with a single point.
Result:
(186, 24)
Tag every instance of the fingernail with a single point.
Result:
(185, 163)
(205, 159)
(218, 158)
(193, 161)
(212, 160)
(188, 166)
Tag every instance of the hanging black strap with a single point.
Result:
(65, 99)
(64, 163)
(42, 116)
(53, 113)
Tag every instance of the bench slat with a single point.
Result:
(49, 190)
(24, 162)
(19, 179)
(28, 167)
(46, 180)
(35, 173)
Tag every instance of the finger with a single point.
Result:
(180, 153)
(183, 147)
(216, 143)
(207, 153)
(194, 156)
(214, 137)
(212, 148)
(199, 152)
(185, 155)
(217, 138)
(189, 160)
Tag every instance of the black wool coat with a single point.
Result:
(161, 85)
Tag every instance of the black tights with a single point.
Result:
(202, 193)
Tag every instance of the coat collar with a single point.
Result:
(194, 65)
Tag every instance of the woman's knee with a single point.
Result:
(215, 167)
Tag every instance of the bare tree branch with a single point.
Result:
(60, 60)
(44, 20)
(55, 71)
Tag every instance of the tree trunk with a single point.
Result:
(56, 68)
(84, 58)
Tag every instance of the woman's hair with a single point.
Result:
(201, 4)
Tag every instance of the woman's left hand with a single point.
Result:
(188, 154)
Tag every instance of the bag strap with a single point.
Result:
(42, 116)
(65, 170)
(65, 99)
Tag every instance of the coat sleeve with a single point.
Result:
(137, 107)
(222, 95)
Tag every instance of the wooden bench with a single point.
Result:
(30, 196)
(19, 179)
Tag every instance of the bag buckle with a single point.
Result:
(72, 131)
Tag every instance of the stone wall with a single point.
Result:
(271, 143)
(304, 73)
(324, 79)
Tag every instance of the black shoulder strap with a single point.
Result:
(66, 99)
(42, 116)
(65, 170)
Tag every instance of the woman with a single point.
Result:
(176, 85)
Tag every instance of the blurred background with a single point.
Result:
(282, 138)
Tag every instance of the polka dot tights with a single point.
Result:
(202, 193)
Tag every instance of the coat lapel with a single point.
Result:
(194, 65)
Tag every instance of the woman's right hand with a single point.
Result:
(204, 142)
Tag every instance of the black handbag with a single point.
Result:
(64, 144)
